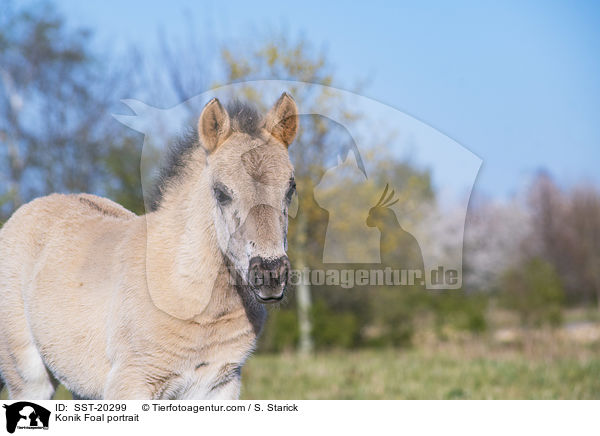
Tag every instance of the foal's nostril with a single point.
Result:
(284, 270)
(255, 262)
(255, 272)
(268, 272)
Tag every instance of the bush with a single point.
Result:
(280, 332)
(378, 317)
(459, 311)
(393, 312)
(535, 292)
(333, 330)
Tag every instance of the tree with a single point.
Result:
(584, 216)
(566, 233)
(495, 235)
(55, 100)
(535, 292)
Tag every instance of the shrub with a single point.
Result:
(535, 292)
(459, 311)
(332, 329)
(281, 331)
(393, 312)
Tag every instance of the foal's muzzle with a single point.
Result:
(268, 278)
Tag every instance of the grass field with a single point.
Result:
(540, 368)
(421, 374)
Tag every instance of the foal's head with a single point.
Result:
(251, 183)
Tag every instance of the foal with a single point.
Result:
(162, 306)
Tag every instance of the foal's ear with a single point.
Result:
(282, 120)
(214, 126)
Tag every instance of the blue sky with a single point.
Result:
(517, 83)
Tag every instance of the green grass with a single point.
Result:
(419, 374)
(468, 370)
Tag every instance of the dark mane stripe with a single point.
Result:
(245, 118)
(100, 209)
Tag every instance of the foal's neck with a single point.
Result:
(187, 277)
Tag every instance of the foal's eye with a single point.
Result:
(291, 191)
(222, 197)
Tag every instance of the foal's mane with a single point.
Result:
(244, 118)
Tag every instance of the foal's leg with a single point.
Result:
(21, 365)
(23, 370)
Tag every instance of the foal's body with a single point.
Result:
(116, 305)
(168, 357)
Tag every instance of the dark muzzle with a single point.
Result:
(268, 278)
